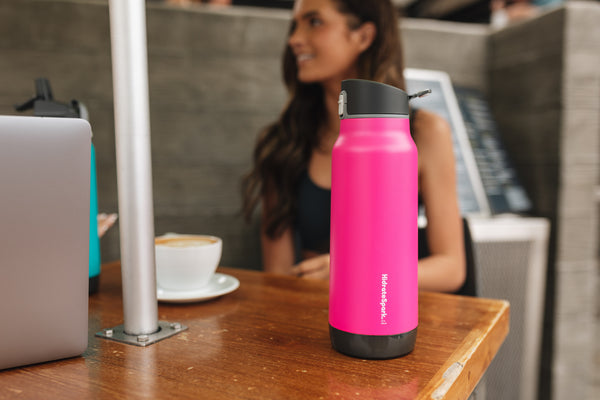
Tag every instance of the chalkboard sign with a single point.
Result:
(486, 180)
(502, 187)
(442, 101)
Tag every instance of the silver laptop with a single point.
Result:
(44, 238)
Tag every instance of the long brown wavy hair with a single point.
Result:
(283, 149)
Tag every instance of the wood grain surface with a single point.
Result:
(268, 340)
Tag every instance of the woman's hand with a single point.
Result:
(105, 221)
(313, 268)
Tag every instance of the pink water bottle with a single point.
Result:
(373, 303)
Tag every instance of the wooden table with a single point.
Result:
(268, 340)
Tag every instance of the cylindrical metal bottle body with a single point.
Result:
(374, 242)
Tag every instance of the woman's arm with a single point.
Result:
(277, 253)
(444, 270)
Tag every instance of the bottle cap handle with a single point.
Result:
(422, 93)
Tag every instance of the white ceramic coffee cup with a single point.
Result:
(186, 262)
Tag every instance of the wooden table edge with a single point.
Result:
(455, 378)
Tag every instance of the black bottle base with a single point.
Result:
(94, 284)
(373, 347)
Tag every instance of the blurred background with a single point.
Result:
(215, 82)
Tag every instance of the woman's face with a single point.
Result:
(326, 49)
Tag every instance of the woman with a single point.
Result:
(329, 41)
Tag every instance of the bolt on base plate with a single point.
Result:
(165, 330)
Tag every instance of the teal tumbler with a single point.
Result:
(94, 239)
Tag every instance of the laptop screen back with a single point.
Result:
(44, 238)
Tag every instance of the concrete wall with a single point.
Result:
(215, 82)
(461, 50)
(548, 68)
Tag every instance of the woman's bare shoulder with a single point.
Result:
(427, 124)
(432, 135)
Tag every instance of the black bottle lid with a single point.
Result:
(364, 98)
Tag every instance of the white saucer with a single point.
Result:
(219, 285)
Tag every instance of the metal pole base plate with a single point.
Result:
(165, 330)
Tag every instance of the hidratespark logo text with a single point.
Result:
(383, 304)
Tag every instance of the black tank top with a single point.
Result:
(313, 216)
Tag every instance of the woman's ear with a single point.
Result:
(366, 35)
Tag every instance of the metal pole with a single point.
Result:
(134, 166)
